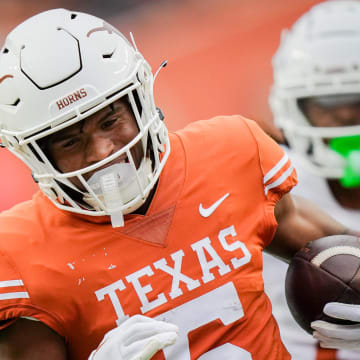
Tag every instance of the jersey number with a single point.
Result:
(222, 303)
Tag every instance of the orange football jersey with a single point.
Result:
(194, 259)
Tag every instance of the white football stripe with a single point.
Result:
(9, 283)
(276, 168)
(333, 251)
(280, 180)
(14, 295)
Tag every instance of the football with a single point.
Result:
(325, 270)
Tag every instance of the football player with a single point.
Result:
(315, 100)
(139, 237)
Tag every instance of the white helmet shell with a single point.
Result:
(319, 55)
(60, 67)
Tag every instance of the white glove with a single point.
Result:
(137, 338)
(336, 336)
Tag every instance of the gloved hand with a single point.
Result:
(137, 338)
(338, 336)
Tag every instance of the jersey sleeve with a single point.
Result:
(279, 175)
(12, 292)
(16, 300)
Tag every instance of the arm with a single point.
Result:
(137, 338)
(300, 221)
(31, 340)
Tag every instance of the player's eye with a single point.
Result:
(70, 143)
(106, 124)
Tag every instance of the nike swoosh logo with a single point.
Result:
(206, 212)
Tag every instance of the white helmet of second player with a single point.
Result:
(60, 67)
(319, 55)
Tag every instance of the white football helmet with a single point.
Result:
(319, 55)
(56, 69)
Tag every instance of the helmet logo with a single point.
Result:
(69, 99)
(105, 27)
(5, 77)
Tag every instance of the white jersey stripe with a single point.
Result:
(14, 295)
(9, 283)
(280, 180)
(276, 168)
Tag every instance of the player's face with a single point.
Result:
(92, 140)
(331, 116)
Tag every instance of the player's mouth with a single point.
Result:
(120, 160)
